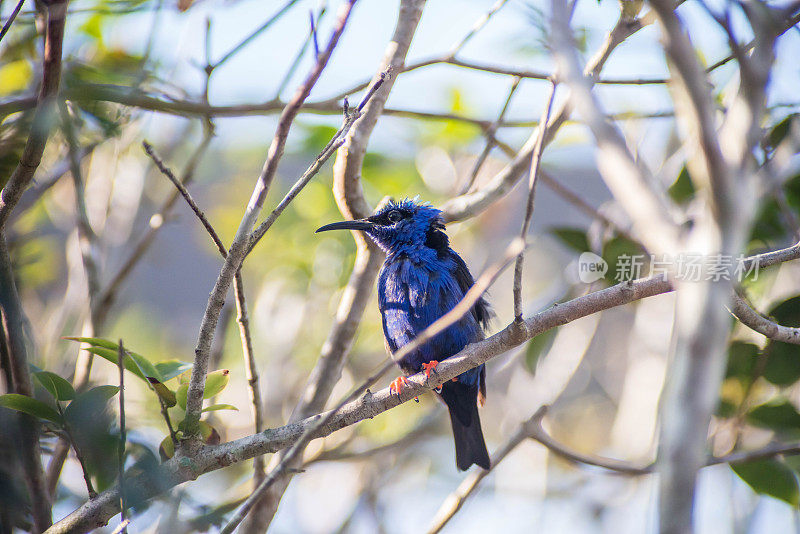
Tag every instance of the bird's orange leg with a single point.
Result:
(397, 386)
(429, 367)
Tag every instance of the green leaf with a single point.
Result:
(216, 382)
(776, 415)
(741, 360)
(778, 132)
(135, 363)
(536, 347)
(783, 363)
(111, 356)
(163, 392)
(626, 260)
(169, 369)
(787, 312)
(682, 189)
(574, 238)
(217, 407)
(181, 394)
(90, 401)
(59, 388)
(209, 433)
(25, 404)
(94, 341)
(167, 449)
(770, 477)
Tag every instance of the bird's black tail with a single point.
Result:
(461, 401)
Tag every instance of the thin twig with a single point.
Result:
(299, 56)
(453, 503)
(468, 205)
(109, 294)
(239, 246)
(314, 34)
(122, 439)
(490, 138)
(536, 159)
(478, 26)
(333, 145)
(185, 193)
(78, 454)
(10, 20)
(255, 33)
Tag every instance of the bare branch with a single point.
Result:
(491, 141)
(255, 33)
(238, 248)
(536, 159)
(468, 205)
(185, 194)
(333, 145)
(749, 317)
(10, 19)
(13, 320)
(453, 503)
(371, 404)
(37, 139)
(457, 312)
(350, 200)
(625, 177)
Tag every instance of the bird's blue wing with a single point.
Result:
(481, 311)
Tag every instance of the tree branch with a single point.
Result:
(749, 317)
(350, 200)
(238, 248)
(37, 139)
(536, 159)
(211, 458)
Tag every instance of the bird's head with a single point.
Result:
(404, 226)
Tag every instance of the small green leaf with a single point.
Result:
(741, 360)
(111, 356)
(574, 238)
(783, 363)
(59, 388)
(181, 394)
(217, 407)
(216, 382)
(30, 406)
(169, 369)
(626, 260)
(163, 392)
(94, 341)
(776, 415)
(135, 363)
(167, 449)
(770, 477)
(682, 189)
(538, 346)
(209, 433)
(778, 132)
(787, 313)
(90, 401)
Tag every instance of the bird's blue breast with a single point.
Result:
(412, 294)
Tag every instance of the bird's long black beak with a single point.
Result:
(347, 225)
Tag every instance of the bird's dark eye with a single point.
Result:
(394, 216)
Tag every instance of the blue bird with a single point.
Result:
(421, 280)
